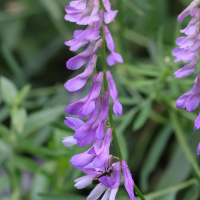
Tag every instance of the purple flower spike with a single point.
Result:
(89, 105)
(74, 108)
(103, 116)
(198, 149)
(190, 99)
(129, 183)
(101, 158)
(73, 123)
(109, 15)
(79, 81)
(78, 61)
(117, 107)
(114, 57)
(82, 159)
(86, 133)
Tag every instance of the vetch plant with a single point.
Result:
(188, 52)
(96, 162)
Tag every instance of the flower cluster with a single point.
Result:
(188, 52)
(96, 162)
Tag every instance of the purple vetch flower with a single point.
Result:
(191, 99)
(89, 105)
(78, 61)
(69, 141)
(114, 57)
(117, 107)
(129, 183)
(86, 133)
(85, 16)
(74, 108)
(198, 149)
(76, 44)
(73, 123)
(92, 32)
(81, 4)
(190, 10)
(197, 123)
(103, 116)
(79, 81)
(110, 14)
(187, 69)
(101, 157)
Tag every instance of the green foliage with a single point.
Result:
(157, 139)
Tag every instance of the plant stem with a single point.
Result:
(110, 111)
(106, 89)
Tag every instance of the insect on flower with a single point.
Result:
(95, 181)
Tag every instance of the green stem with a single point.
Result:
(138, 192)
(106, 89)
(110, 110)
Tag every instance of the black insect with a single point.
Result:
(108, 172)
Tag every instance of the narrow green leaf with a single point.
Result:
(183, 143)
(142, 116)
(153, 155)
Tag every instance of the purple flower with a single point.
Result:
(86, 133)
(74, 108)
(190, 100)
(190, 10)
(110, 14)
(117, 107)
(198, 149)
(78, 61)
(73, 123)
(187, 69)
(79, 81)
(197, 123)
(81, 4)
(69, 141)
(89, 105)
(114, 57)
(129, 184)
(101, 157)
(103, 116)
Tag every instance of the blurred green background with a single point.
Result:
(157, 140)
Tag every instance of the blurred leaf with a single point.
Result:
(18, 116)
(4, 113)
(192, 193)
(25, 163)
(154, 155)
(143, 70)
(183, 143)
(143, 115)
(22, 94)
(41, 118)
(40, 181)
(8, 89)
